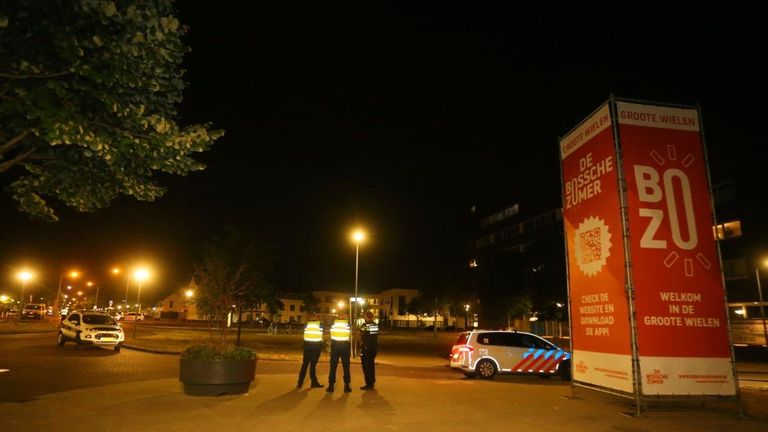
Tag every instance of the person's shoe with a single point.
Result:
(330, 388)
(299, 385)
(366, 387)
(347, 389)
(316, 385)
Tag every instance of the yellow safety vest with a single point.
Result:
(313, 332)
(340, 331)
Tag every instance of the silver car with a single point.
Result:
(91, 328)
(485, 353)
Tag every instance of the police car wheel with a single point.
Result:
(564, 370)
(485, 369)
(117, 347)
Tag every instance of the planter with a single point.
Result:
(216, 377)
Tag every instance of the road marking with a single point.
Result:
(5, 370)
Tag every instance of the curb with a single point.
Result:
(150, 350)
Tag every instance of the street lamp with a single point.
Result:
(358, 236)
(24, 276)
(96, 298)
(140, 274)
(116, 271)
(760, 297)
(73, 274)
(466, 316)
(187, 296)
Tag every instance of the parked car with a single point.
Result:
(34, 311)
(91, 328)
(133, 316)
(485, 353)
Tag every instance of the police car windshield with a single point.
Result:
(98, 319)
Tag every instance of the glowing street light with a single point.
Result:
(96, 298)
(466, 315)
(24, 276)
(188, 294)
(73, 274)
(358, 236)
(116, 271)
(140, 274)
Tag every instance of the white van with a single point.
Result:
(484, 353)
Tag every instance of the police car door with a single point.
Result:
(69, 325)
(517, 351)
(492, 345)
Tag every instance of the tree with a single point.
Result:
(311, 303)
(88, 94)
(232, 274)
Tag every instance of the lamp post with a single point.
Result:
(116, 271)
(187, 296)
(140, 275)
(72, 275)
(96, 298)
(760, 297)
(358, 236)
(24, 276)
(466, 316)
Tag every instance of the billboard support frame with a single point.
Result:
(629, 286)
(567, 287)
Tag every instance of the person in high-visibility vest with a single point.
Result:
(369, 346)
(313, 346)
(339, 351)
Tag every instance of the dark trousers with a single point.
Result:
(311, 356)
(368, 360)
(339, 350)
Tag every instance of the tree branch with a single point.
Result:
(122, 131)
(12, 143)
(8, 164)
(46, 76)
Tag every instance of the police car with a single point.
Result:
(91, 328)
(485, 353)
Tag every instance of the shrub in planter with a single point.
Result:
(207, 371)
(230, 276)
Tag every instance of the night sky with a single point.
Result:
(398, 118)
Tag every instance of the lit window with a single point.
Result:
(727, 230)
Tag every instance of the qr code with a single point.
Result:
(591, 248)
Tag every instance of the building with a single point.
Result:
(388, 306)
(517, 266)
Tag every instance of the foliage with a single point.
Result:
(210, 352)
(232, 274)
(88, 90)
(419, 305)
(311, 303)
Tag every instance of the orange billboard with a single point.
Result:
(600, 337)
(682, 328)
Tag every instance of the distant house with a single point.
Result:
(388, 306)
(180, 305)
